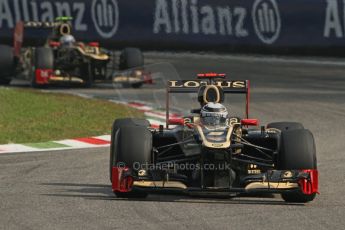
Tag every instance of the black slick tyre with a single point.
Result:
(297, 152)
(132, 148)
(6, 64)
(43, 59)
(131, 58)
(118, 123)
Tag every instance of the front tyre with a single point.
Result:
(133, 149)
(297, 152)
(119, 123)
(43, 60)
(131, 58)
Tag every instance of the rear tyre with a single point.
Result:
(131, 58)
(44, 59)
(6, 64)
(133, 147)
(284, 126)
(297, 151)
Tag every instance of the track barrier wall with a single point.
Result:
(301, 26)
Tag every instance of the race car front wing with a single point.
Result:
(272, 181)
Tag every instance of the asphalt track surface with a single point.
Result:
(71, 189)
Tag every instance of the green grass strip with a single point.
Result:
(31, 116)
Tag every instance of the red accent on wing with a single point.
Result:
(94, 44)
(154, 126)
(210, 75)
(120, 181)
(176, 121)
(43, 75)
(93, 141)
(250, 122)
(311, 185)
(148, 78)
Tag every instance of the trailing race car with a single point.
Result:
(211, 152)
(58, 57)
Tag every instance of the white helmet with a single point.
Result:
(213, 114)
(67, 40)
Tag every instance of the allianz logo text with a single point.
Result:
(334, 19)
(190, 17)
(12, 11)
(105, 13)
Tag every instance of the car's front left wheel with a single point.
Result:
(131, 147)
(297, 152)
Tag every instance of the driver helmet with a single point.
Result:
(213, 114)
(67, 40)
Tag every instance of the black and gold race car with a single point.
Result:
(57, 57)
(211, 152)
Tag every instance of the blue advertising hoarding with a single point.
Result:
(188, 24)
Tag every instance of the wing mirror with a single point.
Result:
(250, 122)
(176, 121)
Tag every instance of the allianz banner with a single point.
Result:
(155, 24)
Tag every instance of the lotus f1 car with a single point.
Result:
(210, 152)
(58, 57)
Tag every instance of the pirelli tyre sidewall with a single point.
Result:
(134, 146)
(297, 151)
(118, 123)
(6, 64)
(131, 58)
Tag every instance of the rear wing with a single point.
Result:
(39, 25)
(46, 30)
(193, 86)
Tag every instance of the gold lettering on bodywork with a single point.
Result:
(192, 84)
(239, 84)
(196, 84)
(174, 84)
